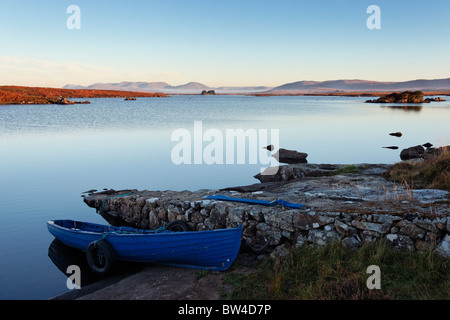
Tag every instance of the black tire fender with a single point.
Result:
(101, 256)
(178, 225)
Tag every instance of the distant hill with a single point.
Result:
(188, 88)
(360, 86)
(299, 87)
(123, 86)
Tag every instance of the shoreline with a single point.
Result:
(349, 94)
(16, 95)
(20, 95)
(355, 206)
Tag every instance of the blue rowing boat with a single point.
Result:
(103, 244)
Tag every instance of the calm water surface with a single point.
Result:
(50, 154)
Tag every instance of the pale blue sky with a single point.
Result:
(229, 43)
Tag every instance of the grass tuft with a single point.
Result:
(430, 173)
(336, 272)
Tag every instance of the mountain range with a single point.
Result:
(362, 86)
(299, 87)
(188, 88)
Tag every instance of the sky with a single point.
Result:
(222, 43)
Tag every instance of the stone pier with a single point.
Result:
(356, 206)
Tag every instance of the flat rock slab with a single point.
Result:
(161, 283)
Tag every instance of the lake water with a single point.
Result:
(50, 154)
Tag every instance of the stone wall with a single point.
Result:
(271, 228)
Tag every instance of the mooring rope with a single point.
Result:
(100, 211)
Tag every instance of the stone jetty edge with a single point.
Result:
(355, 207)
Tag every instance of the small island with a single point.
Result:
(404, 97)
(208, 93)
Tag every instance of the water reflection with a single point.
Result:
(407, 108)
(64, 256)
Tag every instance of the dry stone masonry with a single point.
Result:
(354, 207)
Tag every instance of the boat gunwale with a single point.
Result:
(119, 233)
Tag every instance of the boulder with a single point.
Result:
(64, 101)
(401, 241)
(322, 237)
(290, 156)
(444, 247)
(370, 226)
(412, 153)
(311, 220)
(344, 229)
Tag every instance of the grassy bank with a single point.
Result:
(430, 173)
(338, 272)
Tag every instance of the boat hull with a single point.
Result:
(211, 249)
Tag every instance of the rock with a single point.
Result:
(344, 229)
(296, 171)
(370, 236)
(310, 220)
(322, 237)
(290, 156)
(447, 228)
(411, 230)
(130, 98)
(426, 224)
(370, 226)
(64, 101)
(391, 147)
(412, 153)
(444, 247)
(352, 242)
(209, 92)
(218, 215)
(300, 241)
(235, 215)
(152, 201)
(401, 241)
(280, 219)
(434, 99)
(403, 97)
(385, 218)
(429, 195)
(396, 134)
(271, 235)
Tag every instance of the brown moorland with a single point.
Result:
(41, 95)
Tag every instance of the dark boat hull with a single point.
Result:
(211, 249)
